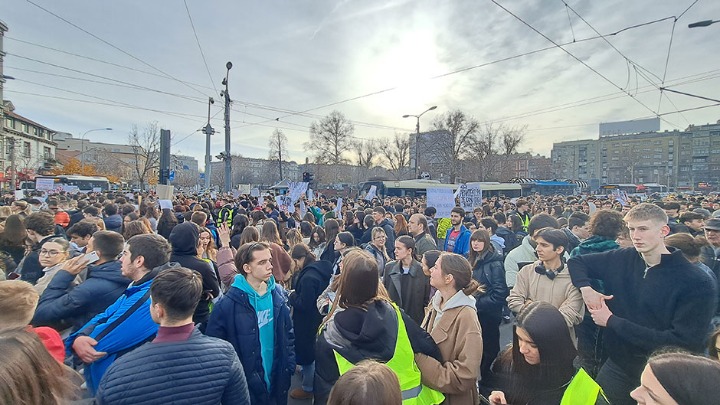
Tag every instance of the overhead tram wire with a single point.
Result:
(578, 59)
(105, 78)
(197, 130)
(467, 68)
(99, 60)
(197, 40)
(115, 47)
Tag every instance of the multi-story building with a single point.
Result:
(679, 159)
(106, 158)
(254, 171)
(27, 148)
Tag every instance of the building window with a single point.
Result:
(26, 149)
(46, 153)
(25, 128)
(9, 122)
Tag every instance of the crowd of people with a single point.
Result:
(107, 298)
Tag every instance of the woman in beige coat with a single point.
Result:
(453, 324)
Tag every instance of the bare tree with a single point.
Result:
(330, 139)
(396, 153)
(463, 130)
(146, 151)
(278, 150)
(366, 152)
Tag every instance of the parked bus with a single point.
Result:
(71, 182)
(418, 188)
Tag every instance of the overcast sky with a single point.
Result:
(132, 62)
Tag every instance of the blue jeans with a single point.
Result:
(308, 377)
(616, 384)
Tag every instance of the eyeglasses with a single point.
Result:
(51, 253)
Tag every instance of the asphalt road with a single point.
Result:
(505, 339)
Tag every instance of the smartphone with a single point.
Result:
(91, 257)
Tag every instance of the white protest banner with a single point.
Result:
(372, 193)
(165, 204)
(338, 209)
(19, 194)
(284, 202)
(470, 196)
(44, 184)
(261, 201)
(296, 190)
(255, 192)
(244, 188)
(592, 207)
(303, 209)
(442, 199)
(310, 194)
(71, 189)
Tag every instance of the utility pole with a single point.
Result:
(13, 168)
(417, 136)
(280, 158)
(208, 130)
(228, 166)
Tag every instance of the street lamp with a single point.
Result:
(417, 134)
(82, 145)
(703, 23)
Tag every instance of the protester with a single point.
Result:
(457, 238)
(317, 241)
(418, 228)
(379, 221)
(678, 379)
(40, 228)
(369, 382)
(166, 223)
(405, 282)
(332, 228)
(487, 269)
(541, 365)
(185, 241)
(714, 345)
(112, 333)
(12, 239)
(52, 255)
(545, 280)
(365, 325)
(655, 298)
(29, 374)
(175, 375)
(452, 322)
(80, 235)
(63, 305)
(525, 252)
(310, 280)
(254, 317)
(377, 248)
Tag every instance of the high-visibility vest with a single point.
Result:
(228, 217)
(404, 366)
(525, 221)
(583, 390)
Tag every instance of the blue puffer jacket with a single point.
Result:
(199, 371)
(132, 332)
(62, 306)
(234, 319)
(113, 223)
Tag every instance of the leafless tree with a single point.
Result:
(330, 139)
(366, 152)
(396, 154)
(146, 150)
(278, 150)
(463, 130)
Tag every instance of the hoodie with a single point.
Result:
(113, 223)
(184, 240)
(525, 253)
(456, 301)
(263, 306)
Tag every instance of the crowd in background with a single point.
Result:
(107, 298)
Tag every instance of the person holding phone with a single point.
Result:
(63, 306)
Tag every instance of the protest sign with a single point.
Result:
(244, 188)
(255, 192)
(470, 196)
(44, 184)
(442, 199)
(372, 193)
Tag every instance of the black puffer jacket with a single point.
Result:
(309, 283)
(489, 271)
(356, 335)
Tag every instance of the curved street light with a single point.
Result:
(417, 134)
(703, 23)
(82, 144)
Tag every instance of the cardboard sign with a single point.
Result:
(372, 193)
(470, 196)
(244, 188)
(442, 199)
(44, 184)
(165, 204)
(255, 192)
(296, 190)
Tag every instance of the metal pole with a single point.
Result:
(280, 157)
(82, 145)
(417, 145)
(13, 169)
(228, 163)
(209, 130)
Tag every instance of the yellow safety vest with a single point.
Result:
(404, 366)
(583, 390)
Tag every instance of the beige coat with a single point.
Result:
(560, 293)
(459, 339)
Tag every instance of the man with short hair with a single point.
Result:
(432, 230)
(417, 226)
(578, 229)
(694, 222)
(113, 220)
(63, 306)
(523, 211)
(186, 366)
(710, 255)
(125, 324)
(655, 298)
(672, 210)
(80, 234)
(525, 252)
(91, 212)
(457, 238)
(255, 318)
(40, 227)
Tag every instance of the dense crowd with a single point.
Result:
(126, 299)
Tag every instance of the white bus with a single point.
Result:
(68, 182)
